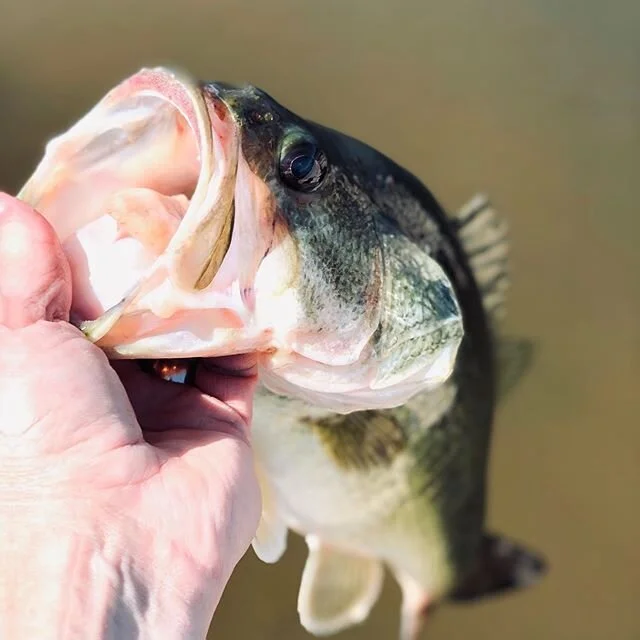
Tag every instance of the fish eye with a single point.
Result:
(303, 166)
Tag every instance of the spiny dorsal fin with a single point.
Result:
(484, 237)
(338, 589)
(503, 566)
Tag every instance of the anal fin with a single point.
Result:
(415, 607)
(338, 589)
(502, 566)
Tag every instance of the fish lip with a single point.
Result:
(216, 91)
(220, 94)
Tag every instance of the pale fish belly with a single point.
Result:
(370, 512)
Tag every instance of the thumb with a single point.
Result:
(35, 279)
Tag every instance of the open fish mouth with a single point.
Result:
(191, 232)
(142, 192)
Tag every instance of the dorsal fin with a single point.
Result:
(484, 237)
(483, 234)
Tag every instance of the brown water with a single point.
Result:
(534, 101)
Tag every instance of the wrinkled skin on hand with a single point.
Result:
(125, 500)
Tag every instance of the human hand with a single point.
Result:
(125, 500)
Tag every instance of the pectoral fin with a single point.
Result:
(338, 589)
(270, 541)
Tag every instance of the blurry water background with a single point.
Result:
(536, 102)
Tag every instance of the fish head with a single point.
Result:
(204, 219)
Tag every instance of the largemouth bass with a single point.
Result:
(204, 219)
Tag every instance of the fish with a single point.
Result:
(205, 219)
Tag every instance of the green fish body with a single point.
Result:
(402, 487)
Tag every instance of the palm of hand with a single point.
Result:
(169, 463)
(158, 476)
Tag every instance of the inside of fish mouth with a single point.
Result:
(142, 173)
(129, 186)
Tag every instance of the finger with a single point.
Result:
(35, 279)
(232, 379)
(160, 405)
(147, 391)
